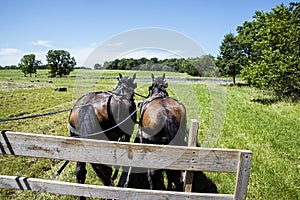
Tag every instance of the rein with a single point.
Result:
(141, 95)
(113, 127)
(50, 113)
(58, 111)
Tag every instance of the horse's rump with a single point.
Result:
(163, 120)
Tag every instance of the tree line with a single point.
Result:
(265, 52)
(199, 66)
(60, 62)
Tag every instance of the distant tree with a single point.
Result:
(43, 66)
(189, 68)
(11, 67)
(204, 65)
(154, 60)
(143, 60)
(97, 66)
(29, 64)
(230, 59)
(114, 64)
(122, 64)
(130, 64)
(60, 62)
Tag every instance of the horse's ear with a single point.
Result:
(120, 75)
(152, 76)
(117, 78)
(134, 75)
(163, 76)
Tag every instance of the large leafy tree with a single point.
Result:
(231, 57)
(271, 43)
(29, 64)
(60, 62)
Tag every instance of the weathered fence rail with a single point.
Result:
(123, 154)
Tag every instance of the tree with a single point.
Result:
(205, 66)
(97, 66)
(60, 62)
(271, 44)
(11, 67)
(122, 64)
(231, 58)
(29, 64)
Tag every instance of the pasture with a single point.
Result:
(229, 116)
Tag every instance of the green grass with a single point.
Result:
(229, 117)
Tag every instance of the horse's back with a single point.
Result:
(98, 100)
(160, 107)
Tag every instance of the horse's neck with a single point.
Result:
(123, 96)
(159, 94)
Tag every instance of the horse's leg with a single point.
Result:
(124, 174)
(158, 180)
(81, 175)
(174, 176)
(104, 172)
(123, 177)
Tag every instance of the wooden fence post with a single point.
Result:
(243, 175)
(192, 142)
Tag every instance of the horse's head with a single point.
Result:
(158, 87)
(125, 86)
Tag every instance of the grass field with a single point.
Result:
(229, 116)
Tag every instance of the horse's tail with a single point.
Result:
(88, 122)
(175, 130)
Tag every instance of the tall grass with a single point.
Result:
(229, 117)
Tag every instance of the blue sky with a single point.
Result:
(80, 26)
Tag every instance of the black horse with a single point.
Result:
(162, 121)
(104, 116)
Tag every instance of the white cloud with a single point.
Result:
(43, 43)
(116, 44)
(80, 55)
(9, 51)
(10, 56)
(150, 53)
(93, 44)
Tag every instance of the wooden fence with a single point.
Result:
(125, 154)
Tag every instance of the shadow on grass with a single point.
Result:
(266, 101)
(201, 183)
(236, 85)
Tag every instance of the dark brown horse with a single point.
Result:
(105, 116)
(163, 121)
